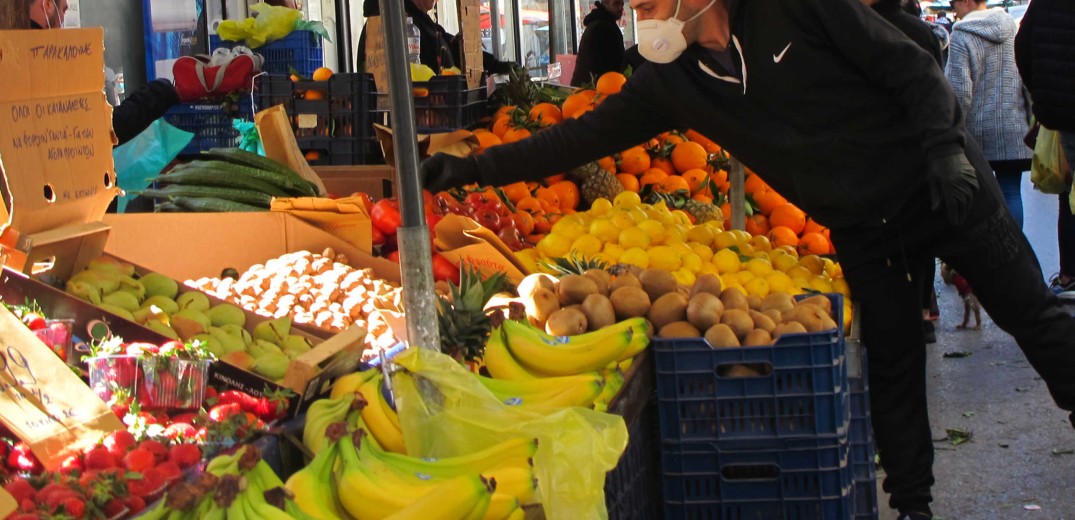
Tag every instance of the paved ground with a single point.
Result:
(1019, 462)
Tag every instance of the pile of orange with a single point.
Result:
(782, 222)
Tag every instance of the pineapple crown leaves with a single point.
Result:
(462, 319)
(573, 264)
(675, 200)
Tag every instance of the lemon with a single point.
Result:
(760, 266)
(830, 267)
(745, 249)
(675, 233)
(622, 219)
(782, 261)
(723, 240)
(821, 284)
(761, 243)
(744, 276)
(627, 199)
(568, 228)
(680, 247)
(684, 277)
(732, 283)
(554, 246)
(800, 273)
(634, 237)
(587, 245)
(691, 262)
(600, 207)
(757, 286)
(605, 230)
(813, 263)
(709, 268)
(654, 229)
(663, 257)
(700, 234)
(702, 250)
(741, 237)
(779, 282)
(840, 285)
(635, 256)
(638, 214)
(528, 257)
(726, 260)
(613, 251)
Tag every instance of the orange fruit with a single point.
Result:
(768, 200)
(757, 224)
(607, 163)
(671, 138)
(702, 197)
(813, 227)
(673, 183)
(322, 74)
(546, 114)
(312, 155)
(752, 183)
(629, 182)
(663, 163)
(549, 198)
(696, 178)
(580, 102)
(313, 95)
(688, 156)
(515, 134)
(529, 204)
(814, 244)
(783, 236)
(610, 83)
(524, 222)
(486, 139)
(501, 126)
(719, 177)
(516, 191)
(652, 176)
(790, 216)
(634, 160)
(503, 111)
(553, 179)
(726, 209)
(568, 193)
(706, 142)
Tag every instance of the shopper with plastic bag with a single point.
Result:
(851, 121)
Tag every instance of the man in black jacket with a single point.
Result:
(847, 118)
(601, 47)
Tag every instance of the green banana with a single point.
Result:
(322, 413)
(567, 355)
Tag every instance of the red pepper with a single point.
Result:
(385, 216)
(445, 270)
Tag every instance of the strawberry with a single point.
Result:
(53, 495)
(25, 516)
(188, 417)
(247, 402)
(121, 409)
(179, 430)
(222, 412)
(154, 478)
(22, 459)
(135, 504)
(273, 405)
(139, 459)
(114, 508)
(211, 394)
(139, 348)
(170, 471)
(99, 457)
(27, 506)
(140, 486)
(122, 372)
(34, 321)
(75, 507)
(119, 442)
(21, 490)
(159, 451)
(72, 465)
(87, 478)
(185, 455)
(170, 348)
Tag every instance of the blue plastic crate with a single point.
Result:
(805, 479)
(211, 123)
(860, 438)
(301, 50)
(803, 392)
(631, 492)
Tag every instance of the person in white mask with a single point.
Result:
(850, 120)
(47, 14)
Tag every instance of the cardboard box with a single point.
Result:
(378, 181)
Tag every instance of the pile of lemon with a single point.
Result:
(627, 231)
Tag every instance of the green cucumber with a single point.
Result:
(254, 198)
(212, 204)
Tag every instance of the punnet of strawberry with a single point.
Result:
(170, 376)
(56, 333)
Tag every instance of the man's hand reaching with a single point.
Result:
(952, 184)
(443, 171)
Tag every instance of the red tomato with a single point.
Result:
(378, 236)
(393, 256)
(444, 269)
(475, 199)
(385, 216)
(511, 237)
(489, 219)
(431, 223)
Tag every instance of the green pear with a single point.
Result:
(189, 323)
(85, 291)
(240, 359)
(238, 332)
(193, 300)
(157, 284)
(261, 348)
(104, 281)
(295, 346)
(228, 343)
(121, 299)
(225, 314)
(165, 303)
(162, 328)
(274, 331)
(118, 311)
(211, 344)
(111, 265)
(132, 286)
(271, 366)
(151, 313)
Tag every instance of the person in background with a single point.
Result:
(851, 121)
(601, 47)
(1045, 55)
(944, 21)
(439, 49)
(981, 68)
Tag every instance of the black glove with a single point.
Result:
(443, 171)
(952, 184)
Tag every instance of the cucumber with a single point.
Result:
(254, 198)
(167, 207)
(211, 204)
(253, 160)
(292, 184)
(189, 176)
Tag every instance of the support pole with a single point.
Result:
(737, 194)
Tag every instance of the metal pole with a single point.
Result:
(737, 194)
(344, 56)
(415, 251)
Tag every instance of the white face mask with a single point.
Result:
(662, 41)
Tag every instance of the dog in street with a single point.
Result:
(966, 293)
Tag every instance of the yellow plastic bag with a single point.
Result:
(444, 411)
(270, 24)
(1049, 170)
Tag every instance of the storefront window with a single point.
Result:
(627, 23)
(499, 38)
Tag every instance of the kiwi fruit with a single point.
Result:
(599, 311)
(679, 329)
(574, 288)
(623, 280)
(733, 298)
(754, 302)
(740, 371)
(630, 302)
(600, 277)
(707, 283)
(820, 300)
(657, 283)
(810, 316)
(668, 308)
(721, 336)
(788, 327)
(704, 310)
(774, 315)
(535, 281)
(539, 305)
(757, 338)
(779, 301)
(761, 321)
(566, 322)
(739, 321)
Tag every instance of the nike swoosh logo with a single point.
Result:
(778, 57)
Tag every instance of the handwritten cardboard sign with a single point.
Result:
(55, 128)
(42, 401)
(470, 29)
(376, 58)
(461, 239)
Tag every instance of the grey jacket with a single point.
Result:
(981, 68)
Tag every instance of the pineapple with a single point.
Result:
(462, 318)
(595, 182)
(701, 211)
(574, 264)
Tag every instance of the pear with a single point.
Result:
(162, 328)
(157, 284)
(261, 348)
(151, 313)
(211, 344)
(274, 331)
(295, 346)
(118, 311)
(132, 286)
(228, 343)
(238, 332)
(111, 265)
(84, 290)
(193, 300)
(123, 300)
(271, 366)
(166, 304)
(225, 314)
(106, 282)
(240, 359)
(189, 323)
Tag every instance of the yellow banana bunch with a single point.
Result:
(500, 362)
(461, 498)
(512, 452)
(363, 495)
(510, 388)
(613, 378)
(322, 413)
(515, 481)
(380, 419)
(312, 485)
(501, 506)
(348, 384)
(566, 355)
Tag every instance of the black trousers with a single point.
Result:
(994, 255)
